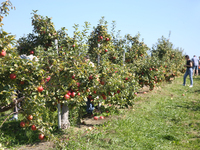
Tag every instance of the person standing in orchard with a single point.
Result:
(195, 62)
(188, 71)
(18, 94)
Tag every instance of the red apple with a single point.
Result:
(40, 89)
(73, 45)
(33, 127)
(13, 76)
(102, 83)
(48, 78)
(126, 78)
(78, 84)
(114, 57)
(95, 92)
(101, 117)
(150, 69)
(21, 82)
(106, 50)
(41, 136)
(30, 117)
(73, 77)
(22, 124)
(90, 77)
(3, 53)
(31, 52)
(90, 96)
(118, 91)
(73, 94)
(67, 96)
(104, 97)
(79, 94)
(69, 93)
(135, 93)
(107, 39)
(95, 118)
(101, 37)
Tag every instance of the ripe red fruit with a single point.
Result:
(102, 83)
(90, 77)
(183, 94)
(101, 37)
(118, 91)
(90, 96)
(3, 53)
(78, 84)
(114, 57)
(21, 82)
(73, 77)
(40, 89)
(95, 118)
(30, 117)
(135, 94)
(150, 69)
(41, 136)
(156, 69)
(31, 52)
(79, 94)
(73, 94)
(22, 124)
(106, 50)
(48, 78)
(95, 92)
(67, 96)
(69, 93)
(107, 39)
(73, 45)
(88, 90)
(101, 117)
(104, 97)
(33, 127)
(126, 78)
(13, 76)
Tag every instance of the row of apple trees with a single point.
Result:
(117, 67)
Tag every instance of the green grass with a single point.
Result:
(163, 120)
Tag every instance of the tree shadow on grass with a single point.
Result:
(11, 134)
(194, 106)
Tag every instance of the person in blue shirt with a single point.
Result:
(195, 62)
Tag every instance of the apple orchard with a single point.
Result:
(117, 68)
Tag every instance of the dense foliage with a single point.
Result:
(63, 74)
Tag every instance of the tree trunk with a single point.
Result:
(65, 117)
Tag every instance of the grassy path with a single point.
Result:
(163, 119)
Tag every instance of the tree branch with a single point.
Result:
(11, 105)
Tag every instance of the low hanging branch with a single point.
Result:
(9, 116)
(11, 105)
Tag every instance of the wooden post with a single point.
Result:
(59, 116)
(59, 107)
